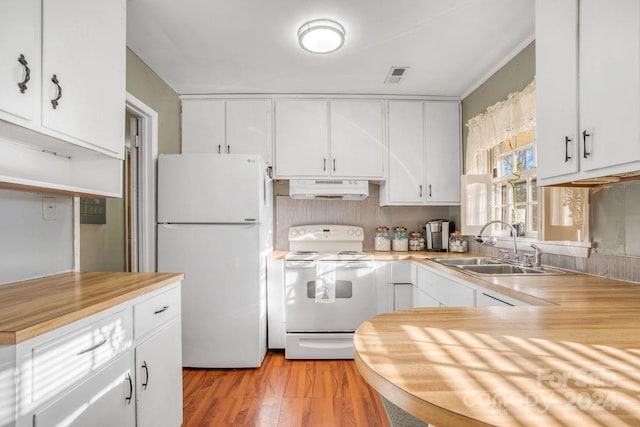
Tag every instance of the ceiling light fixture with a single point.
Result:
(321, 36)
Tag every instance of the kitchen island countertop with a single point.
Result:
(572, 358)
(33, 307)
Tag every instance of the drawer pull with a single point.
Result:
(162, 310)
(128, 398)
(87, 350)
(146, 377)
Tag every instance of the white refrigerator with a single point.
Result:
(215, 224)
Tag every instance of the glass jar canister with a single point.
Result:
(457, 243)
(383, 239)
(416, 241)
(400, 241)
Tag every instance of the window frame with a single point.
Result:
(499, 183)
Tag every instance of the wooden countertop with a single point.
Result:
(34, 307)
(572, 359)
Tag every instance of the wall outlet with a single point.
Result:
(49, 208)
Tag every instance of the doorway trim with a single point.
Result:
(147, 183)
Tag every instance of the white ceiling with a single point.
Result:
(250, 46)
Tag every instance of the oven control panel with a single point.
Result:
(334, 233)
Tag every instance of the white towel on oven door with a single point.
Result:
(325, 282)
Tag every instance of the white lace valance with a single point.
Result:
(501, 121)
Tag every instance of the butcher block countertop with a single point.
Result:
(571, 359)
(34, 307)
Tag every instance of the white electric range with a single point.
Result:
(329, 290)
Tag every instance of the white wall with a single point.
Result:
(30, 246)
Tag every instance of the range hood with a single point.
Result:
(328, 189)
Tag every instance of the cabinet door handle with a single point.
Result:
(420, 190)
(93, 347)
(128, 398)
(584, 143)
(54, 101)
(219, 146)
(228, 149)
(27, 73)
(324, 164)
(429, 190)
(162, 310)
(146, 377)
(334, 165)
(567, 157)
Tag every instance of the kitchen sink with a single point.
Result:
(509, 270)
(456, 262)
(496, 267)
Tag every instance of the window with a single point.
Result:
(514, 186)
(500, 181)
(540, 213)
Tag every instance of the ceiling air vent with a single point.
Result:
(396, 74)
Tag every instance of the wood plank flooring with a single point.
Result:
(282, 393)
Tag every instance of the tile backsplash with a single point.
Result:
(365, 213)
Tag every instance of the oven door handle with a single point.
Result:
(354, 264)
(299, 264)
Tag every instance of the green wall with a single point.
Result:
(102, 247)
(512, 77)
(144, 84)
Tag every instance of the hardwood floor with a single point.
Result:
(282, 393)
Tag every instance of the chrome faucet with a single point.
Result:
(491, 241)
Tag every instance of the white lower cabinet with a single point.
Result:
(106, 399)
(443, 290)
(402, 296)
(395, 280)
(159, 378)
(487, 298)
(423, 299)
(276, 327)
(119, 367)
(408, 284)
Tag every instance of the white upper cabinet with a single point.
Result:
(19, 57)
(227, 126)
(588, 87)
(83, 71)
(357, 142)
(249, 127)
(556, 87)
(405, 183)
(336, 138)
(203, 126)
(609, 56)
(443, 145)
(302, 133)
(424, 153)
(72, 53)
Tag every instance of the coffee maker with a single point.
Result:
(437, 234)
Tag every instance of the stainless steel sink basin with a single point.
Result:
(456, 262)
(509, 269)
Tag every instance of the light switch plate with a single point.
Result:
(49, 208)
